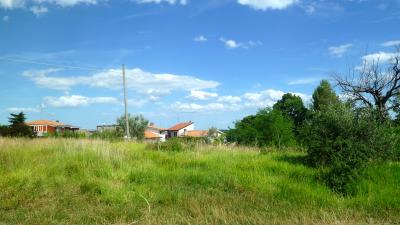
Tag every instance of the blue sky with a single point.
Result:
(209, 61)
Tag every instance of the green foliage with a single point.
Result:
(292, 107)
(171, 145)
(21, 130)
(137, 125)
(112, 135)
(17, 127)
(15, 119)
(67, 134)
(324, 96)
(266, 128)
(4, 130)
(345, 141)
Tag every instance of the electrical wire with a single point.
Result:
(66, 67)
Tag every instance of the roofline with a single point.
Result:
(189, 123)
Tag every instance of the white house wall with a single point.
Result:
(181, 132)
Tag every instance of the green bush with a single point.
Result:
(171, 145)
(345, 141)
(266, 128)
(108, 135)
(4, 131)
(18, 130)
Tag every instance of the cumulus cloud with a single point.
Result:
(200, 38)
(381, 57)
(303, 81)
(391, 43)
(22, 109)
(267, 98)
(38, 10)
(38, 7)
(153, 85)
(268, 4)
(193, 107)
(202, 95)
(339, 51)
(172, 2)
(251, 100)
(77, 101)
(232, 44)
(230, 99)
(10, 4)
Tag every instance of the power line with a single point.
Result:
(29, 61)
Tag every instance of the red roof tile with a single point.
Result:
(45, 122)
(197, 133)
(180, 126)
(151, 135)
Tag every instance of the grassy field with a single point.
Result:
(59, 181)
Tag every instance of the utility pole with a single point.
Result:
(127, 136)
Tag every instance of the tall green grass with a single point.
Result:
(60, 181)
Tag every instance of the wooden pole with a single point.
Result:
(127, 136)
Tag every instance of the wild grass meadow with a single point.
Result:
(69, 181)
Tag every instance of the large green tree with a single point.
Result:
(15, 119)
(292, 107)
(267, 128)
(137, 125)
(324, 96)
(17, 127)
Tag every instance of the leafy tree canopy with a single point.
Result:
(15, 119)
(292, 107)
(324, 96)
(137, 125)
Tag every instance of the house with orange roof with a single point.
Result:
(45, 127)
(180, 129)
(153, 132)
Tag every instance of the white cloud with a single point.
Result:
(38, 10)
(38, 7)
(339, 51)
(310, 9)
(253, 100)
(10, 4)
(268, 98)
(232, 44)
(137, 103)
(172, 2)
(254, 44)
(17, 109)
(5, 18)
(380, 57)
(202, 95)
(200, 38)
(230, 99)
(42, 79)
(391, 43)
(268, 4)
(68, 3)
(77, 101)
(146, 83)
(193, 107)
(310, 80)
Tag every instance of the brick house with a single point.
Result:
(45, 127)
